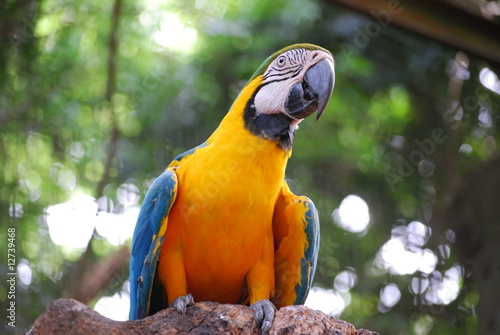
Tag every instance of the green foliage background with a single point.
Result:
(56, 124)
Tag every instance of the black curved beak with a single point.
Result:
(313, 93)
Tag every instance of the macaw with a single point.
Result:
(220, 223)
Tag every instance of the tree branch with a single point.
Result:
(100, 275)
(71, 317)
(110, 91)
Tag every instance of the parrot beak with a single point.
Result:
(313, 93)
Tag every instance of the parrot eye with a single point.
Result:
(281, 61)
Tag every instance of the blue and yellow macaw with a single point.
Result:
(220, 223)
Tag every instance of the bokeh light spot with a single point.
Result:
(353, 214)
(345, 280)
(115, 307)
(390, 295)
(71, 223)
(24, 272)
(328, 301)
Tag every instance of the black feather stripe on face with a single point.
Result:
(275, 127)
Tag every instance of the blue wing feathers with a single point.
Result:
(309, 262)
(146, 243)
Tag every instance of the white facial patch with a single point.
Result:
(271, 98)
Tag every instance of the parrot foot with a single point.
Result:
(183, 302)
(264, 314)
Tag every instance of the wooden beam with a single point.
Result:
(437, 20)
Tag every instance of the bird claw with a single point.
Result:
(264, 314)
(183, 302)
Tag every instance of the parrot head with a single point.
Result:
(290, 85)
